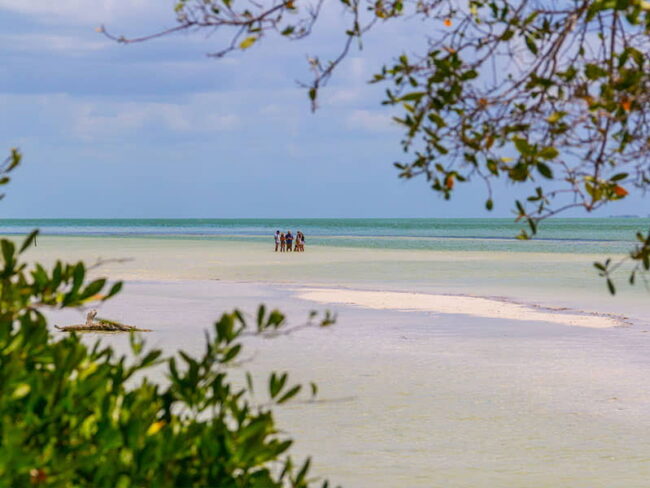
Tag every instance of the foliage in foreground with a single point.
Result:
(551, 96)
(74, 415)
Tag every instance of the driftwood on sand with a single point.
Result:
(100, 325)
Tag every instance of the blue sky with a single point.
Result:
(160, 130)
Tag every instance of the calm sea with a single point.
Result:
(559, 235)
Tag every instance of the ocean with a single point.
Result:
(585, 236)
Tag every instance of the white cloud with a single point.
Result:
(341, 96)
(371, 121)
(52, 42)
(64, 117)
(197, 115)
(86, 11)
(351, 85)
(357, 72)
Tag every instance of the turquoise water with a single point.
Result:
(610, 235)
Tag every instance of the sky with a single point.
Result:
(159, 130)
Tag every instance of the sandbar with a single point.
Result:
(460, 304)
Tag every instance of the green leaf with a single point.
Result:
(413, 96)
(93, 288)
(287, 31)
(522, 146)
(544, 170)
(136, 343)
(261, 312)
(555, 117)
(619, 177)
(469, 75)
(275, 319)
(8, 250)
(28, 241)
(289, 394)
(610, 286)
(151, 358)
(78, 274)
(276, 383)
(248, 42)
(21, 391)
(232, 353)
(530, 44)
(593, 71)
(302, 474)
(115, 289)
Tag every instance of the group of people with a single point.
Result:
(285, 242)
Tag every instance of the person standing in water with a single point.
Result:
(296, 244)
(301, 241)
(282, 242)
(277, 240)
(289, 238)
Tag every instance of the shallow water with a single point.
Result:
(553, 279)
(586, 235)
(422, 400)
(412, 399)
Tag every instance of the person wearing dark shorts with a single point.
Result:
(289, 239)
